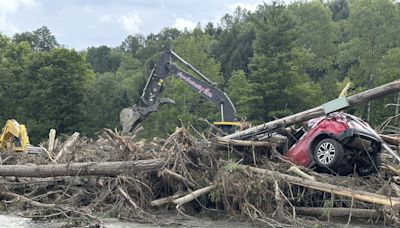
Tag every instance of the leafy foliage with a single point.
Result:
(278, 60)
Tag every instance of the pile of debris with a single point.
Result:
(114, 177)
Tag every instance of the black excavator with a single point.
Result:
(150, 100)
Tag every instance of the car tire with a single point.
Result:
(329, 154)
(368, 164)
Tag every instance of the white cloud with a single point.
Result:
(106, 18)
(248, 6)
(10, 6)
(183, 24)
(7, 27)
(130, 22)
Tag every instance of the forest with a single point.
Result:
(276, 61)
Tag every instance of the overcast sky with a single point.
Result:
(83, 23)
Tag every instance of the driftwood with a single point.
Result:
(11, 195)
(340, 212)
(236, 142)
(194, 195)
(325, 187)
(126, 195)
(298, 171)
(71, 141)
(52, 140)
(123, 140)
(354, 100)
(165, 200)
(177, 177)
(83, 169)
(393, 140)
(392, 169)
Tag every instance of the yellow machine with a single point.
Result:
(14, 137)
(345, 90)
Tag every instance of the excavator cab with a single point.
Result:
(14, 137)
(228, 127)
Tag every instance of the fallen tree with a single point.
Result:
(340, 212)
(354, 100)
(326, 187)
(83, 168)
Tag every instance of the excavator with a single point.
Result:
(150, 100)
(14, 137)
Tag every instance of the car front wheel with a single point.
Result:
(328, 153)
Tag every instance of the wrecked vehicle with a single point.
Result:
(339, 143)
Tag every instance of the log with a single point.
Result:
(194, 195)
(52, 140)
(83, 169)
(11, 195)
(165, 200)
(393, 140)
(237, 142)
(325, 187)
(123, 140)
(395, 188)
(126, 195)
(340, 212)
(177, 177)
(71, 141)
(354, 100)
(299, 172)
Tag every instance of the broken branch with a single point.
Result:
(194, 195)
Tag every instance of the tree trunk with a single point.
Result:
(340, 212)
(224, 141)
(354, 100)
(397, 110)
(71, 141)
(83, 169)
(325, 187)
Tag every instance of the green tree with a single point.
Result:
(279, 87)
(132, 44)
(233, 47)
(373, 26)
(63, 78)
(316, 34)
(239, 90)
(41, 39)
(103, 59)
(388, 70)
(339, 8)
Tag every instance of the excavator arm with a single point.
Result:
(131, 117)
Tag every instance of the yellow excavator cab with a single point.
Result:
(228, 126)
(14, 137)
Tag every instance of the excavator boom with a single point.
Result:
(151, 100)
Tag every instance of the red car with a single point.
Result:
(340, 143)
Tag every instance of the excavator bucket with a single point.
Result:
(130, 118)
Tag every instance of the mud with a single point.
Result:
(169, 220)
